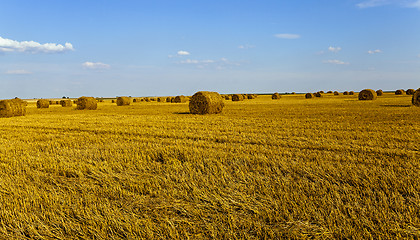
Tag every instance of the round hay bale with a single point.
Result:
(113, 101)
(410, 91)
(345, 93)
(42, 103)
(309, 95)
(227, 97)
(321, 92)
(251, 96)
(161, 99)
(336, 93)
(330, 92)
(416, 98)
(399, 92)
(135, 100)
(12, 108)
(66, 103)
(367, 94)
(88, 103)
(147, 99)
(152, 99)
(206, 103)
(181, 99)
(123, 101)
(237, 97)
(318, 94)
(293, 93)
(168, 99)
(275, 96)
(379, 92)
(351, 93)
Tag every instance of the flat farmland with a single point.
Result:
(294, 168)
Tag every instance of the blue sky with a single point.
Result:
(169, 47)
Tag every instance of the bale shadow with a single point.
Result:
(395, 105)
(182, 113)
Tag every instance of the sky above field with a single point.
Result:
(110, 48)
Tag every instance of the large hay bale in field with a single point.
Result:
(399, 92)
(351, 93)
(367, 94)
(12, 107)
(123, 101)
(237, 97)
(416, 98)
(42, 103)
(309, 95)
(206, 103)
(66, 103)
(275, 96)
(410, 91)
(336, 93)
(181, 99)
(345, 93)
(88, 103)
(379, 92)
(318, 94)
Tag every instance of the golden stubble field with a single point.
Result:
(294, 168)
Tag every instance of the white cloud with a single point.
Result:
(378, 3)
(194, 61)
(246, 46)
(374, 51)
(418, 55)
(183, 53)
(8, 45)
(415, 4)
(287, 36)
(334, 49)
(95, 65)
(18, 72)
(337, 62)
(222, 63)
(372, 3)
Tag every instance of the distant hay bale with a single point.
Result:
(206, 103)
(309, 95)
(123, 101)
(410, 91)
(330, 92)
(318, 94)
(147, 99)
(181, 99)
(227, 97)
(416, 98)
(351, 93)
(237, 97)
(251, 96)
(75, 101)
(275, 96)
(293, 93)
(379, 92)
(168, 99)
(12, 108)
(345, 93)
(113, 101)
(66, 103)
(136, 100)
(88, 103)
(152, 99)
(336, 93)
(367, 94)
(172, 99)
(399, 92)
(161, 99)
(42, 103)
(321, 92)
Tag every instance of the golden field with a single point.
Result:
(293, 168)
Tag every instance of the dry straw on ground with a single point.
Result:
(88, 103)
(42, 103)
(12, 108)
(367, 94)
(123, 101)
(416, 98)
(275, 96)
(410, 91)
(309, 95)
(237, 97)
(206, 103)
(379, 92)
(66, 103)
(399, 92)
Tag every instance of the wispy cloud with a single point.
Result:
(287, 36)
(374, 51)
(246, 46)
(222, 63)
(334, 49)
(183, 53)
(8, 45)
(95, 65)
(378, 3)
(336, 62)
(18, 72)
